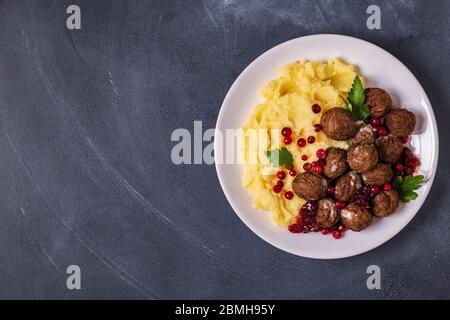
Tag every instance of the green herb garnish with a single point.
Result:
(280, 157)
(355, 100)
(406, 186)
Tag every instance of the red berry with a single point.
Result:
(320, 162)
(382, 131)
(277, 188)
(405, 139)
(286, 132)
(304, 157)
(301, 142)
(281, 175)
(311, 139)
(295, 228)
(325, 230)
(341, 228)
(412, 163)
(314, 164)
(375, 190)
(399, 167)
(340, 204)
(308, 212)
(318, 169)
(321, 154)
(387, 186)
(280, 183)
(291, 167)
(375, 122)
(288, 195)
(315, 108)
(317, 127)
(331, 189)
(292, 173)
(336, 234)
(287, 140)
(306, 166)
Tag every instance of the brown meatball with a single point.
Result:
(385, 203)
(355, 218)
(338, 124)
(362, 158)
(347, 186)
(327, 213)
(389, 148)
(378, 101)
(364, 135)
(309, 186)
(382, 173)
(400, 122)
(335, 163)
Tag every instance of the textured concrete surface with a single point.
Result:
(86, 177)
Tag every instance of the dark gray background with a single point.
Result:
(85, 171)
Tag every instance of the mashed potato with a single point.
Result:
(287, 103)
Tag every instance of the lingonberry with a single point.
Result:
(286, 132)
(315, 108)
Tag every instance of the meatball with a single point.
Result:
(327, 213)
(347, 186)
(382, 173)
(355, 218)
(338, 124)
(335, 163)
(364, 135)
(389, 148)
(309, 186)
(378, 101)
(385, 203)
(400, 122)
(362, 158)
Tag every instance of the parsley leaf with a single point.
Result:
(280, 157)
(412, 183)
(406, 186)
(356, 94)
(408, 196)
(397, 182)
(355, 100)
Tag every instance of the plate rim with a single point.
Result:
(430, 178)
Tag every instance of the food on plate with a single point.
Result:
(379, 175)
(327, 213)
(295, 99)
(310, 186)
(389, 148)
(355, 217)
(400, 122)
(335, 163)
(378, 101)
(338, 124)
(365, 134)
(331, 155)
(362, 158)
(385, 203)
(347, 186)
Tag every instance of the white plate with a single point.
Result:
(380, 69)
